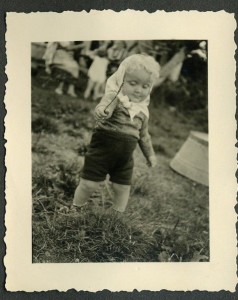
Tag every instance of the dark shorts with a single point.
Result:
(110, 153)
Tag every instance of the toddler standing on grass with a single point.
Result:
(122, 122)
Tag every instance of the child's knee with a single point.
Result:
(84, 191)
(118, 188)
(88, 184)
(121, 196)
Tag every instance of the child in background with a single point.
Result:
(96, 74)
(122, 122)
(61, 56)
(116, 53)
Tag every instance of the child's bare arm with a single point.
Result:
(49, 55)
(146, 146)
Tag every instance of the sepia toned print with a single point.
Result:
(164, 220)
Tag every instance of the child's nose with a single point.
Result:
(138, 88)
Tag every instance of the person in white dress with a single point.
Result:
(60, 55)
(96, 74)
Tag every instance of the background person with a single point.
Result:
(61, 56)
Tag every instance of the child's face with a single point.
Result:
(118, 44)
(137, 85)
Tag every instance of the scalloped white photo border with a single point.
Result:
(216, 27)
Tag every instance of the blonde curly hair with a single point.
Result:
(142, 61)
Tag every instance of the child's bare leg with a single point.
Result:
(101, 89)
(90, 86)
(59, 89)
(84, 191)
(121, 196)
(96, 92)
(71, 91)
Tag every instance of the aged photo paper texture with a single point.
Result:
(218, 30)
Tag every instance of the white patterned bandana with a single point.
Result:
(134, 108)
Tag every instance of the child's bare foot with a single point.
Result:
(86, 95)
(96, 97)
(72, 94)
(59, 91)
(71, 91)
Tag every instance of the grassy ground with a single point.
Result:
(167, 216)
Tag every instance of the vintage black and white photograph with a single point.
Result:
(120, 151)
(121, 157)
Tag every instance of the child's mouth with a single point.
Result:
(138, 97)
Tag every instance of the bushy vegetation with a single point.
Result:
(167, 216)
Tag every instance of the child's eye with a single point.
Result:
(146, 86)
(132, 83)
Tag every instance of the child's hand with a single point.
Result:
(101, 113)
(152, 161)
